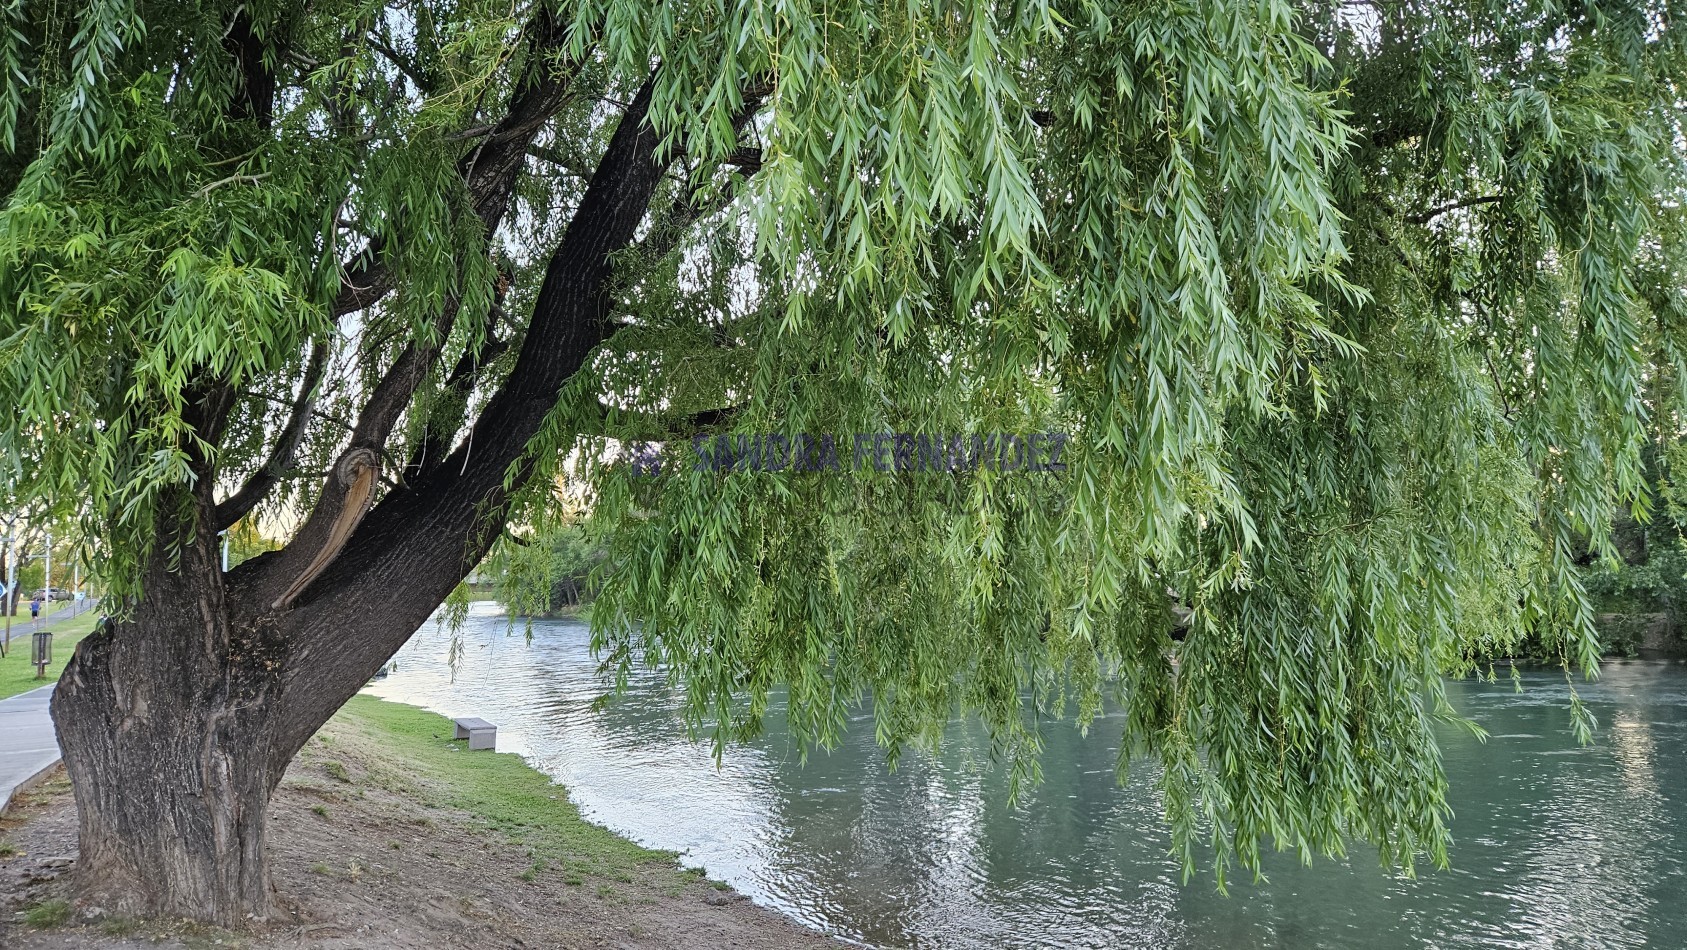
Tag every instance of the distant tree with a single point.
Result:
(24, 523)
(246, 540)
(1638, 581)
(1349, 308)
(547, 572)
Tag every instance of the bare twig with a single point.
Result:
(1433, 213)
(474, 132)
(230, 180)
(408, 69)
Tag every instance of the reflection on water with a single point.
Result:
(1555, 845)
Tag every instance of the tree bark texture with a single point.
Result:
(178, 718)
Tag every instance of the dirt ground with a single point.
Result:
(368, 856)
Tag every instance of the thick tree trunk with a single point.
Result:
(167, 721)
(178, 720)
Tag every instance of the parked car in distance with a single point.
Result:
(50, 593)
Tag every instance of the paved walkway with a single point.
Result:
(28, 745)
(23, 625)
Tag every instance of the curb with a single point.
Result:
(32, 750)
(27, 784)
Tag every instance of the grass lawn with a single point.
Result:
(415, 747)
(385, 823)
(17, 676)
(51, 609)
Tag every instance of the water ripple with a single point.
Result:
(1555, 845)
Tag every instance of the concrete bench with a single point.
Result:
(480, 733)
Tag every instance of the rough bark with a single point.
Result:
(167, 721)
(178, 720)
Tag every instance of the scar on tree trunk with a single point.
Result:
(172, 726)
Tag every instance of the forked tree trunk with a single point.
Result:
(167, 722)
(177, 721)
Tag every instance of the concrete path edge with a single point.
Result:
(12, 793)
(29, 747)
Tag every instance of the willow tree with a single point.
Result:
(1350, 311)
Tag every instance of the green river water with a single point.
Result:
(1556, 845)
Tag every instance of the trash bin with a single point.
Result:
(41, 652)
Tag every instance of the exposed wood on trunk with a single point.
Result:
(355, 474)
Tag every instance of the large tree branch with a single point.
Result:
(491, 168)
(435, 442)
(348, 488)
(364, 280)
(392, 395)
(572, 313)
(489, 172)
(254, 100)
(418, 542)
(407, 554)
(211, 400)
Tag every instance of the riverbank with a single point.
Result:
(385, 835)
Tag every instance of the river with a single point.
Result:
(1555, 845)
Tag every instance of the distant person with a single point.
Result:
(35, 607)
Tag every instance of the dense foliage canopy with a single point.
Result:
(1358, 315)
